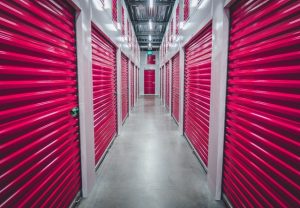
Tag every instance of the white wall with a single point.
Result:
(144, 65)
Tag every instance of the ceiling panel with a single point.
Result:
(140, 14)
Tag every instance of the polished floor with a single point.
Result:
(150, 166)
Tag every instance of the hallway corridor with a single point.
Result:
(150, 166)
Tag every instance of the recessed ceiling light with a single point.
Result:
(151, 4)
(150, 24)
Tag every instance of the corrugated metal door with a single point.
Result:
(149, 81)
(114, 10)
(261, 158)
(132, 85)
(160, 75)
(104, 92)
(124, 88)
(136, 84)
(175, 87)
(40, 160)
(163, 84)
(167, 102)
(197, 91)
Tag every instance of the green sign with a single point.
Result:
(149, 52)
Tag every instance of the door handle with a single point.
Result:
(74, 112)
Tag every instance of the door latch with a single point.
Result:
(74, 112)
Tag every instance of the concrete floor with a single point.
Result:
(150, 166)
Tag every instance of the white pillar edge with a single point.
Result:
(220, 30)
(85, 95)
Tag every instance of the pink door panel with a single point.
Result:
(39, 132)
(149, 81)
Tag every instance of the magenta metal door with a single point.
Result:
(160, 74)
(132, 85)
(104, 92)
(136, 84)
(175, 87)
(163, 84)
(149, 81)
(261, 155)
(167, 102)
(39, 134)
(197, 91)
(125, 88)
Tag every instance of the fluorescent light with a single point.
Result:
(150, 38)
(151, 4)
(203, 4)
(150, 24)
(181, 25)
(149, 45)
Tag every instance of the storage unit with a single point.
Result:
(132, 85)
(39, 134)
(104, 92)
(261, 155)
(124, 87)
(149, 82)
(197, 91)
(167, 99)
(136, 84)
(163, 84)
(160, 74)
(175, 87)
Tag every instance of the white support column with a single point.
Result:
(85, 91)
(220, 30)
(119, 91)
(181, 89)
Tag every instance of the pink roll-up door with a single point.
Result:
(197, 91)
(132, 85)
(175, 87)
(261, 155)
(160, 75)
(136, 84)
(39, 133)
(167, 101)
(124, 87)
(149, 81)
(163, 84)
(104, 92)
